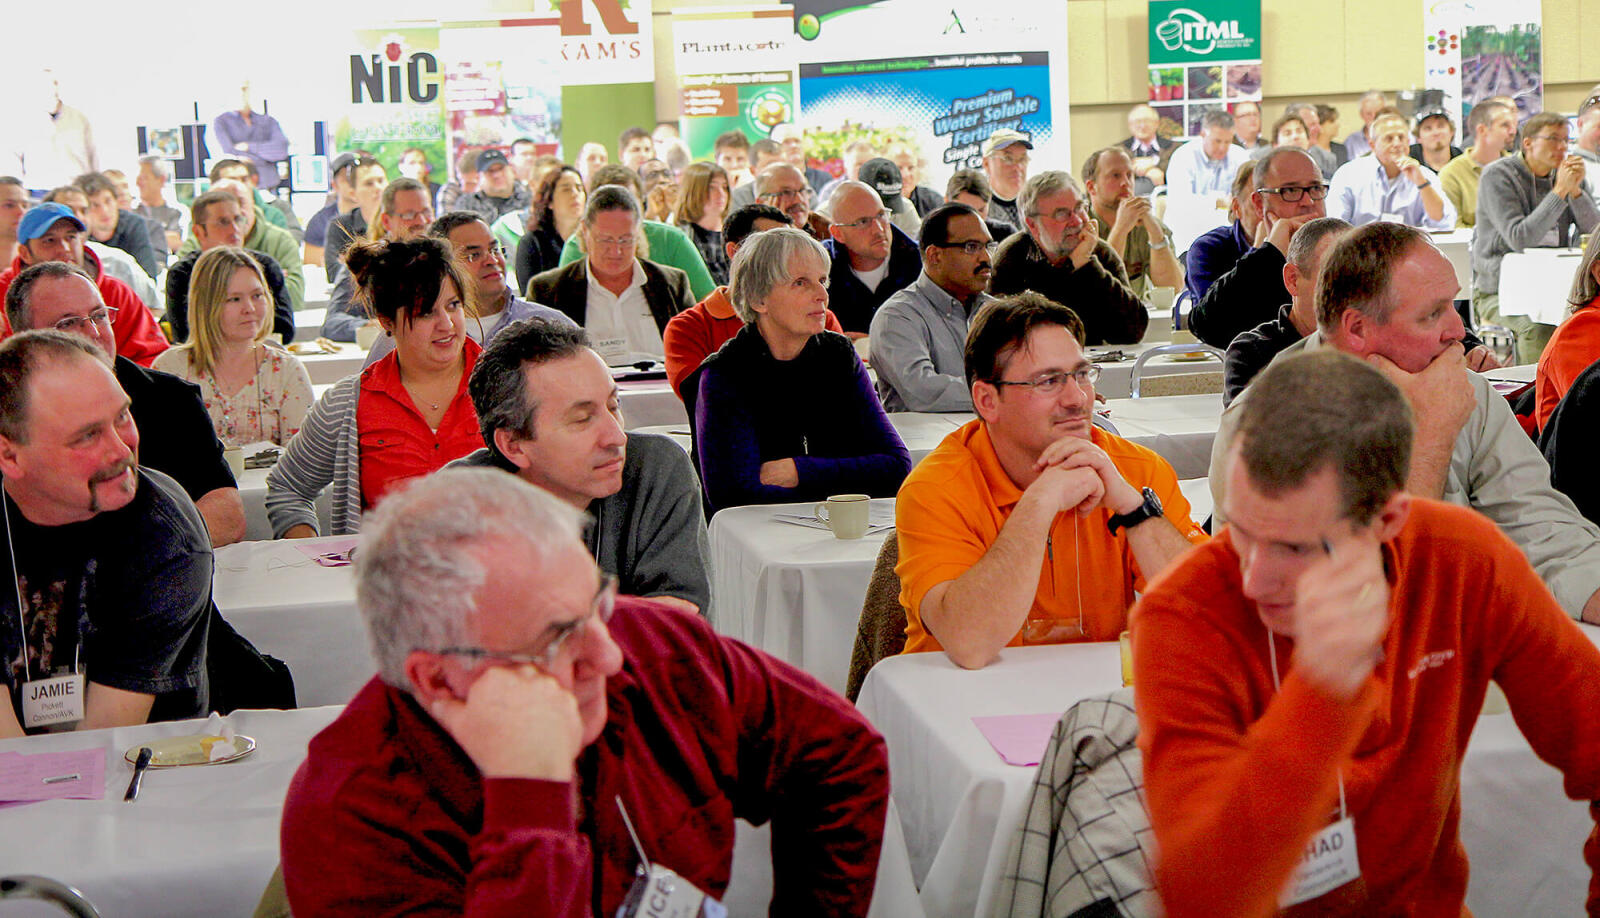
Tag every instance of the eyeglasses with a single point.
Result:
(971, 246)
(881, 218)
(1013, 160)
(614, 242)
(784, 194)
(1051, 383)
(1293, 193)
(238, 222)
(408, 216)
(474, 255)
(103, 317)
(1063, 214)
(605, 601)
(1561, 139)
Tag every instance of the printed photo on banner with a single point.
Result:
(1204, 56)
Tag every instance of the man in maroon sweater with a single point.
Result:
(517, 700)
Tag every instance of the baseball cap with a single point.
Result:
(1003, 138)
(37, 222)
(342, 161)
(884, 177)
(488, 158)
(1427, 113)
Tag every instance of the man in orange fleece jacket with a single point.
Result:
(1309, 679)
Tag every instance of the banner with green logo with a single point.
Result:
(396, 96)
(1204, 55)
(735, 72)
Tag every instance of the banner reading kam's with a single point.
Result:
(1204, 55)
(396, 96)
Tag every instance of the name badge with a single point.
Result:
(1328, 863)
(52, 701)
(661, 893)
(610, 348)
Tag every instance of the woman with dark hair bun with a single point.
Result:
(404, 416)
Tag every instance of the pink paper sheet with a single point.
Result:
(1019, 738)
(23, 777)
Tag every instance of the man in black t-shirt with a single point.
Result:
(179, 438)
(111, 562)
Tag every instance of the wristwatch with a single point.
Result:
(1158, 246)
(1150, 509)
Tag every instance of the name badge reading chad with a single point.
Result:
(1328, 863)
(52, 701)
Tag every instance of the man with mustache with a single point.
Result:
(1029, 525)
(179, 439)
(919, 335)
(106, 618)
(548, 410)
(782, 186)
(1127, 223)
(1062, 257)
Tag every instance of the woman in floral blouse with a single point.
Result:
(255, 392)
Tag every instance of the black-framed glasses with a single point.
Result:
(1051, 383)
(102, 317)
(604, 603)
(1294, 193)
(971, 246)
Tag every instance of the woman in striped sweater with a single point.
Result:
(400, 418)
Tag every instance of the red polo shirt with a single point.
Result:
(396, 443)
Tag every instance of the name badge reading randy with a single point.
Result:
(1329, 862)
(52, 701)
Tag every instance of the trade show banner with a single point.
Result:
(960, 72)
(541, 77)
(1204, 55)
(396, 95)
(1479, 49)
(735, 72)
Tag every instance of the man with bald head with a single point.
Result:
(1149, 149)
(872, 258)
(783, 186)
(1387, 295)
(261, 236)
(179, 439)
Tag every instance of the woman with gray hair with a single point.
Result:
(784, 411)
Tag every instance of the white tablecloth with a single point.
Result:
(308, 323)
(326, 369)
(790, 590)
(1535, 283)
(961, 805)
(253, 492)
(298, 611)
(650, 403)
(1179, 427)
(199, 841)
(1457, 246)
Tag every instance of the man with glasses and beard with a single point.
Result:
(919, 335)
(1062, 257)
(1030, 525)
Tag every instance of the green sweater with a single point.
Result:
(276, 242)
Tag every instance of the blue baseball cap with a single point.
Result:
(37, 222)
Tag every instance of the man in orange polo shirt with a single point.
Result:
(692, 335)
(1032, 485)
(1309, 679)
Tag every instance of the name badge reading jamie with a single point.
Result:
(52, 701)
(1328, 863)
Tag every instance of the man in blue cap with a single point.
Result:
(51, 232)
(499, 190)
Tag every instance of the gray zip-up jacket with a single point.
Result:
(1516, 211)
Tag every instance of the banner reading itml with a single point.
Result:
(1204, 55)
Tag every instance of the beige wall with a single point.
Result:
(1321, 52)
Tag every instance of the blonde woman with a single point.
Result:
(701, 208)
(253, 391)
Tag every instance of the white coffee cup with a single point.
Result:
(367, 335)
(235, 457)
(846, 514)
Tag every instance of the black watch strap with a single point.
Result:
(1150, 509)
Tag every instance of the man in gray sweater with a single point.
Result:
(1533, 199)
(547, 407)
